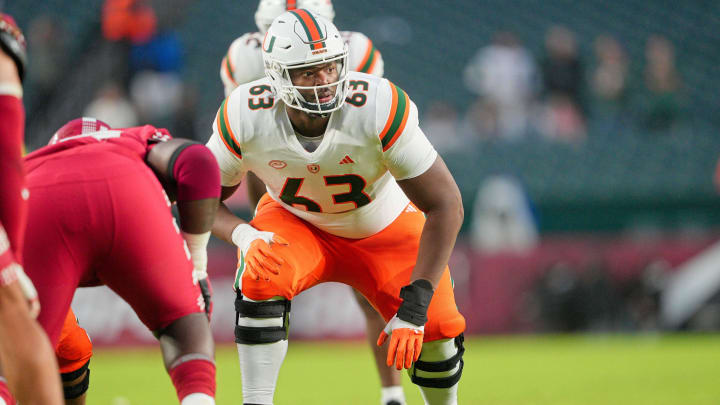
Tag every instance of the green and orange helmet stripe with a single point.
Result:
(399, 112)
(226, 133)
(314, 33)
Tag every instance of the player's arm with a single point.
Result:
(435, 194)
(227, 71)
(254, 246)
(426, 181)
(28, 361)
(226, 221)
(364, 57)
(190, 170)
(12, 122)
(242, 63)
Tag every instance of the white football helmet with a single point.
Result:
(299, 39)
(268, 10)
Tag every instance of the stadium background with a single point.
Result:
(621, 208)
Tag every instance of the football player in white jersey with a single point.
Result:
(243, 63)
(355, 194)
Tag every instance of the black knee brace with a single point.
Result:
(438, 366)
(265, 309)
(78, 389)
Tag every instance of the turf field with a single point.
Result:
(535, 370)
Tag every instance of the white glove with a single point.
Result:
(255, 253)
(244, 234)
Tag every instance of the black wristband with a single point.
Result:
(416, 298)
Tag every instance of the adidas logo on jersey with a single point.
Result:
(346, 160)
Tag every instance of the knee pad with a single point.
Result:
(441, 367)
(258, 322)
(76, 389)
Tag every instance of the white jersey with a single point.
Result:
(243, 62)
(347, 186)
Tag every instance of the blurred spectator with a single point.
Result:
(502, 217)
(132, 20)
(440, 124)
(609, 83)
(560, 119)
(503, 75)
(600, 303)
(161, 53)
(562, 116)
(559, 295)
(112, 106)
(644, 293)
(662, 101)
(562, 70)
(157, 96)
(156, 88)
(480, 121)
(47, 49)
(185, 124)
(126, 23)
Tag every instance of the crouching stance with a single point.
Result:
(100, 215)
(355, 194)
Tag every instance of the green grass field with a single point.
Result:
(528, 370)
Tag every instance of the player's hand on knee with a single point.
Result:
(407, 328)
(255, 251)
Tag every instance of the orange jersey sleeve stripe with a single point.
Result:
(399, 112)
(225, 131)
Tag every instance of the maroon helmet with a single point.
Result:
(78, 126)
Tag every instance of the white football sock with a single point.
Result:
(198, 399)
(260, 366)
(260, 363)
(438, 350)
(392, 393)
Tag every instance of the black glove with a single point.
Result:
(206, 290)
(12, 42)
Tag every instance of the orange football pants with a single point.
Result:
(378, 266)
(74, 348)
